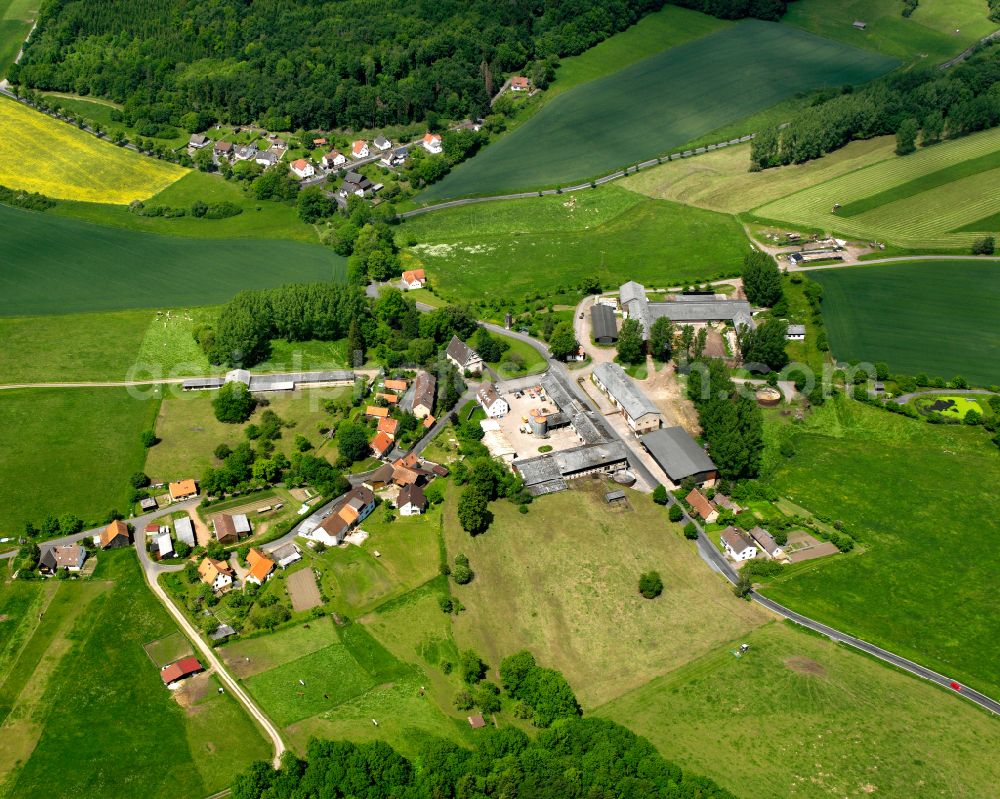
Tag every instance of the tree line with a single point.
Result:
(927, 102)
(575, 758)
(348, 64)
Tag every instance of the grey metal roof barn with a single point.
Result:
(603, 324)
(678, 454)
(620, 386)
(685, 309)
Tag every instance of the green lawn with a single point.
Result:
(533, 362)
(68, 451)
(93, 690)
(259, 220)
(927, 200)
(654, 105)
(917, 496)
(544, 244)
(562, 582)
(16, 17)
(934, 317)
(960, 405)
(937, 30)
(54, 265)
(801, 716)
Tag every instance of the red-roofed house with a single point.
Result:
(303, 168)
(180, 669)
(260, 565)
(381, 445)
(432, 143)
(319, 142)
(519, 83)
(376, 412)
(398, 386)
(388, 427)
(359, 149)
(414, 279)
(700, 504)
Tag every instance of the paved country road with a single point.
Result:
(892, 260)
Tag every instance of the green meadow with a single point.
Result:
(936, 317)
(543, 244)
(917, 497)
(16, 17)
(69, 451)
(54, 265)
(86, 703)
(655, 104)
(798, 715)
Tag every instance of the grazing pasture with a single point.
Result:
(54, 265)
(937, 29)
(16, 17)
(68, 451)
(88, 688)
(544, 244)
(798, 715)
(926, 200)
(570, 593)
(654, 105)
(916, 496)
(72, 164)
(936, 317)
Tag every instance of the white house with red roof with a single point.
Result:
(303, 168)
(333, 159)
(519, 83)
(359, 149)
(413, 279)
(432, 143)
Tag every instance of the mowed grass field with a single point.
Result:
(937, 29)
(562, 582)
(38, 153)
(918, 498)
(659, 103)
(801, 716)
(931, 199)
(86, 703)
(16, 17)
(54, 265)
(937, 317)
(722, 181)
(545, 243)
(68, 451)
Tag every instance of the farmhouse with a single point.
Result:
(491, 402)
(319, 142)
(411, 501)
(641, 415)
(423, 394)
(546, 474)
(767, 544)
(184, 530)
(223, 149)
(394, 158)
(388, 427)
(380, 478)
(182, 489)
(382, 143)
(795, 333)
(376, 411)
(266, 158)
(679, 455)
(702, 506)
(197, 141)
(286, 554)
(69, 557)
(115, 535)
(463, 356)
(333, 159)
(353, 509)
(359, 149)
(519, 83)
(431, 142)
(260, 565)
(244, 152)
(603, 325)
(302, 168)
(357, 184)
(179, 670)
(413, 279)
(737, 545)
(381, 445)
(216, 573)
(229, 529)
(682, 308)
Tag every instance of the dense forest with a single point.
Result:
(291, 64)
(575, 758)
(928, 103)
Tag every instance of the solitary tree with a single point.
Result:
(234, 403)
(651, 585)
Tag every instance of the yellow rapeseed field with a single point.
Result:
(38, 153)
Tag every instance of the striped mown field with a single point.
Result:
(38, 153)
(926, 200)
